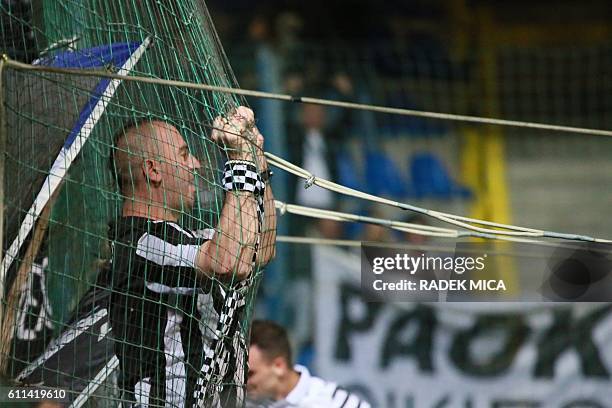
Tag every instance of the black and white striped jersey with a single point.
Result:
(163, 316)
(314, 392)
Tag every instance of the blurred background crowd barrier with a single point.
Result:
(518, 61)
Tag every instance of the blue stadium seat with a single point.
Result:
(347, 172)
(431, 179)
(383, 176)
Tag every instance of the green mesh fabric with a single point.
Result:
(40, 111)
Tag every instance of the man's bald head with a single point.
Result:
(155, 168)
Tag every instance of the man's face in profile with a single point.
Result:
(177, 167)
(264, 375)
(156, 166)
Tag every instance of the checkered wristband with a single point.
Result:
(241, 175)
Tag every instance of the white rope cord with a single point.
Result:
(346, 217)
(464, 222)
(448, 218)
(423, 247)
(317, 101)
(510, 232)
(417, 229)
(312, 179)
(318, 241)
(460, 221)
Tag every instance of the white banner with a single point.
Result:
(476, 355)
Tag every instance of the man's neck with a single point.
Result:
(154, 212)
(292, 381)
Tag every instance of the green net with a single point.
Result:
(136, 278)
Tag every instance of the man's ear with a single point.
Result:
(279, 366)
(150, 169)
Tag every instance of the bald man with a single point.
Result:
(177, 293)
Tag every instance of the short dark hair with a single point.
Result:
(126, 125)
(272, 340)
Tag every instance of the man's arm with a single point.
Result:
(267, 246)
(230, 252)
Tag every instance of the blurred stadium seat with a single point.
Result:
(383, 176)
(430, 179)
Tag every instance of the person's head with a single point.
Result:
(270, 364)
(329, 229)
(411, 238)
(375, 233)
(313, 116)
(155, 167)
(259, 29)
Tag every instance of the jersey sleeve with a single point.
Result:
(323, 393)
(169, 256)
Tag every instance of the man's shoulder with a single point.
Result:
(132, 229)
(330, 394)
(126, 229)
